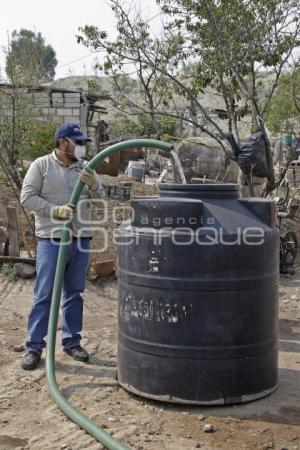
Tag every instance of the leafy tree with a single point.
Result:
(29, 58)
(228, 43)
(28, 61)
(282, 115)
(41, 139)
(143, 126)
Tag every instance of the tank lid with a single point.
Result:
(198, 187)
(201, 190)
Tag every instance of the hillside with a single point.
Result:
(212, 100)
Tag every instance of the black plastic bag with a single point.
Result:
(251, 155)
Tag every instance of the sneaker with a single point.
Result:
(78, 353)
(30, 360)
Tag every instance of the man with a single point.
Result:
(46, 190)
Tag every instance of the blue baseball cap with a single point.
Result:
(70, 130)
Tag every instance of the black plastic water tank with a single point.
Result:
(198, 296)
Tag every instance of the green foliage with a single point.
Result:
(29, 59)
(230, 38)
(126, 127)
(42, 140)
(143, 126)
(282, 115)
(220, 44)
(8, 270)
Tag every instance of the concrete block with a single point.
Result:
(64, 112)
(72, 99)
(70, 119)
(40, 95)
(72, 95)
(44, 111)
(42, 119)
(40, 100)
(58, 102)
(57, 95)
(57, 119)
(76, 112)
(72, 105)
(41, 105)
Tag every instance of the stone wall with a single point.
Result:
(58, 107)
(62, 107)
(55, 105)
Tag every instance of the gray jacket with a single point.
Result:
(49, 183)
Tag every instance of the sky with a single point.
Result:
(58, 21)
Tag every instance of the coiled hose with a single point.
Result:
(74, 414)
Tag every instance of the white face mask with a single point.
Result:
(79, 151)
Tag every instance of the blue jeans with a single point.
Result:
(72, 304)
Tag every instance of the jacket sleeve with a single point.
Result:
(31, 189)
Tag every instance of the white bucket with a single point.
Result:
(135, 170)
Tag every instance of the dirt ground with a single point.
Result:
(29, 419)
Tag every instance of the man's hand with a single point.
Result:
(89, 177)
(63, 212)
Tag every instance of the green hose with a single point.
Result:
(74, 414)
